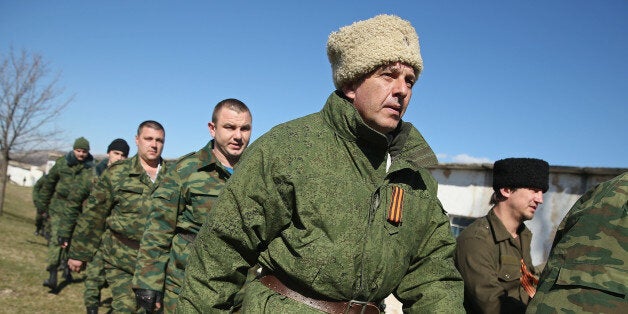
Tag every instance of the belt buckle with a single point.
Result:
(363, 306)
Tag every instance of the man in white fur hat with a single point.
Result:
(336, 207)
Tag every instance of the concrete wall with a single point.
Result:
(24, 176)
(465, 190)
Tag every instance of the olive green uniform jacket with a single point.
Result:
(489, 260)
(309, 203)
(67, 174)
(587, 269)
(180, 206)
(62, 179)
(118, 203)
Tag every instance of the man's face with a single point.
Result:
(231, 132)
(383, 96)
(523, 202)
(150, 143)
(115, 155)
(80, 154)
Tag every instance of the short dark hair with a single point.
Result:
(498, 197)
(231, 103)
(150, 124)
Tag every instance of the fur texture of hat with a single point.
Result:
(82, 143)
(521, 173)
(358, 49)
(119, 144)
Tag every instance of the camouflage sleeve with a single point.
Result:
(37, 199)
(150, 270)
(227, 244)
(432, 279)
(91, 223)
(586, 270)
(49, 184)
(74, 204)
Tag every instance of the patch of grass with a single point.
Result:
(23, 263)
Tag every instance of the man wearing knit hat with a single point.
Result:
(117, 150)
(68, 172)
(336, 207)
(493, 253)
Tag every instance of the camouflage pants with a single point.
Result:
(55, 252)
(119, 264)
(175, 271)
(94, 281)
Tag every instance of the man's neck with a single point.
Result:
(229, 163)
(505, 216)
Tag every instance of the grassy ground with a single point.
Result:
(23, 263)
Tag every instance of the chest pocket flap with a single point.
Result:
(509, 268)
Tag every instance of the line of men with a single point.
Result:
(330, 212)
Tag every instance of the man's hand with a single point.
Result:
(149, 300)
(75, 265)
(63, 242)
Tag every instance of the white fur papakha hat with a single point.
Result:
(357, 49)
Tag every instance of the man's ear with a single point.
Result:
(212, 128)
(349, 91)
(505, 191)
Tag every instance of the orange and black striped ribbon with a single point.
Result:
(528, 281)
(396, 205)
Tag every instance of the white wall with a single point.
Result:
(24, 177)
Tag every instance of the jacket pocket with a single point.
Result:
(510, 268)
(400, 204)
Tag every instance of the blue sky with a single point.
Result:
(544, 79)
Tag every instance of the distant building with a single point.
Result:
(24, 175)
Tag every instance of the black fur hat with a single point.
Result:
(521, 173)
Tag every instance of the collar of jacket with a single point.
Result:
(209, 161)
(136, 166)
(70, 158)
(499, 230)
(405, 142)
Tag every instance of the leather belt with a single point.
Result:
(334, 307)
(134, 244)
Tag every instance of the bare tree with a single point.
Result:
(28, 104)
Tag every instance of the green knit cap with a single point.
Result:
(81, 142)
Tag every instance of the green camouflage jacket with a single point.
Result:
(61, 179)
(489, 260)
(181, 205)
(37, 199)
(309, 202)
(587, 270)
(74, 204)
(119, 201)
(76, 200)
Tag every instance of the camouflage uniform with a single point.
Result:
(489, 260)
(95, 272)
(586, 271)
(181, 205)
(113, 222)
(309, 201)
(60, 181)
(41, 216)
